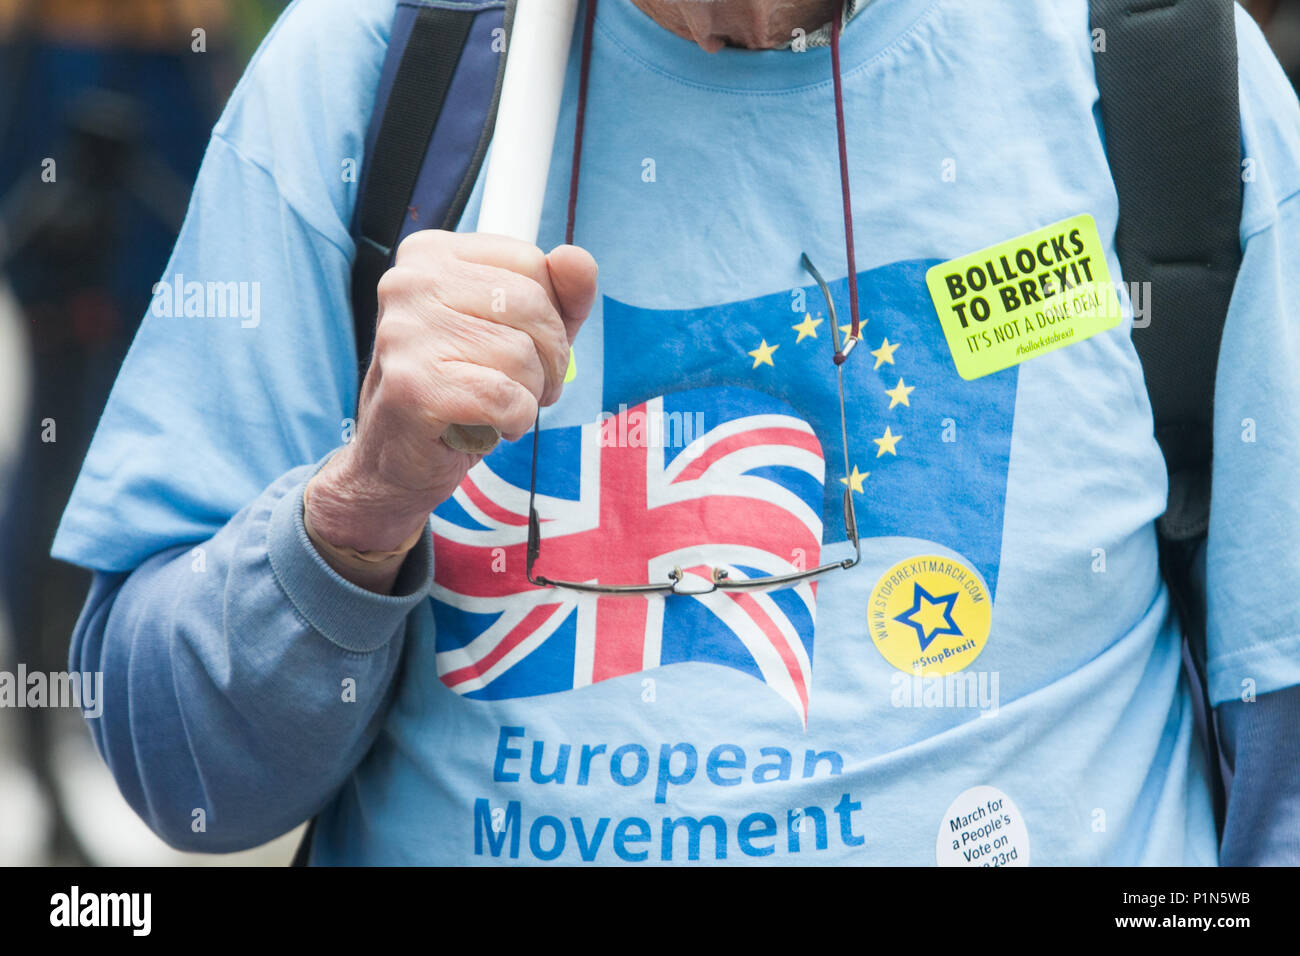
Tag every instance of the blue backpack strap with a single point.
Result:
(421, 160)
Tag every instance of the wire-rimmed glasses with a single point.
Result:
(677, 581)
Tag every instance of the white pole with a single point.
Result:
(522, 140)
(526, 118)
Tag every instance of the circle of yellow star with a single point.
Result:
(806, 328)
(898, 394)
(885, 353)
(855, 479)
(887, 443)
(763, 354)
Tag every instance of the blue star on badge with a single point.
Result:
(930, 616)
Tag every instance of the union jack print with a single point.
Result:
(624, 501)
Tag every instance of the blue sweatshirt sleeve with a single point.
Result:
(243, 679)
(1261, 741)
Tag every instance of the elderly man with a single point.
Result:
(776, 578)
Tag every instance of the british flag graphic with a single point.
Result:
(726, 477)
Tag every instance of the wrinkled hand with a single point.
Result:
(473, 329)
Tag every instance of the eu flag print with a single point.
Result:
(721, 447)
(928, 451)
(722, 477)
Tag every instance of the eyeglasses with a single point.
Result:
(678, 582)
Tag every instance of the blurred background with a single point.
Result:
(122, 94)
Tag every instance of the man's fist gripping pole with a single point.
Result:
(473, 329)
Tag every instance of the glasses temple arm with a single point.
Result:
(534, 523)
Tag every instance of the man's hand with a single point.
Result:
(473, 329)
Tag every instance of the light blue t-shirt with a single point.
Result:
(997, 681)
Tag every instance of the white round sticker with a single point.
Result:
(982, 827)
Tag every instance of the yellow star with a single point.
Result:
(931, 616)
(763, 354)
(898, 394)
(887, 443)
(846, 329)
(854, 480)
(806, 328)
(884, 354)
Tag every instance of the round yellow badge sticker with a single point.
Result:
(929, 615)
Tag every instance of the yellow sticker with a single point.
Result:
(929, 615)
(572, 372)
(1024, 297)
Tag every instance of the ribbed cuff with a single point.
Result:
(347, 615)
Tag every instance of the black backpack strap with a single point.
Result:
(408, 115)
(1168, 83)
